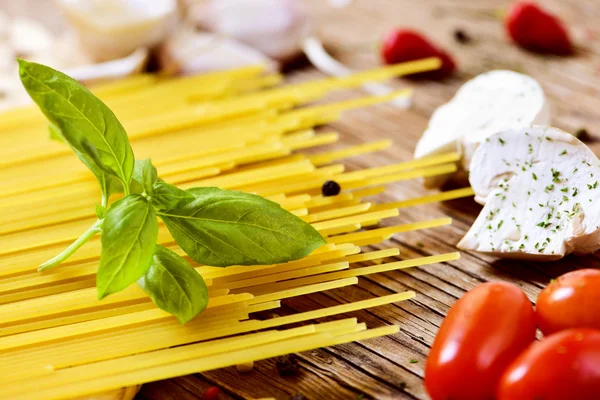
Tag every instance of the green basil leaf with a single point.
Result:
(55, 133)
(145, 173)
(224, 227)
(174, 286)
(129, 234)
(109, 184)
(86, 123)
(168, 197)
(100, 211)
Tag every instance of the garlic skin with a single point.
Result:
(112, 29)
(189, 52)
(276, 28)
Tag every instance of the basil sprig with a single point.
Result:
(213, 226)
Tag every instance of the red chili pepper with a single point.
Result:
(212, 393)
(403, 45)
(536, 30)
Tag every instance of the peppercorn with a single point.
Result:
(287, 365)
(331, 188)
(583, 135)
(461, 36)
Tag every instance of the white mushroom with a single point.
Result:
(487, 104)
(541, 191)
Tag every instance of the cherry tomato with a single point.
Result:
(211, 393)
(483, 333)
(402, 45)
(565, 365)
(572, 301)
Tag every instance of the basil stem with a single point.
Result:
(68, 252)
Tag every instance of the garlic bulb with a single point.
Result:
(274, 27)
(189, 52)
(111, 29)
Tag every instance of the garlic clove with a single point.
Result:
(110, 70)
(111, 29)
(189, 52)
(274, 27)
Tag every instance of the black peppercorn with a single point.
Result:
(461, 36)
(331, 188)
(583, 135)
(287, 365)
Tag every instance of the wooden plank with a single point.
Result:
(381, 368)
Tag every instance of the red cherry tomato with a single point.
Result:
(211, 393)
(572, 301)
(565, 365)
(534, 29)
(402, 45)
(483, 333)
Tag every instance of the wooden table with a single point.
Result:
(385, 368)
(392, 367)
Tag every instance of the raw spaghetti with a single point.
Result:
(235, 130)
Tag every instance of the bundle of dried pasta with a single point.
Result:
(232, 130)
